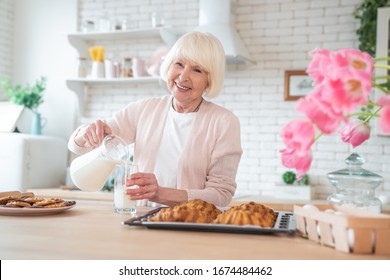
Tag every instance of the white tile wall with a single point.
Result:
(279, 34)
(6, 42)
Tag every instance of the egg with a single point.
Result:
(351, 239)
(330, 211)
(318, 230)
(310, 207)
(340, 213)
(314, 209)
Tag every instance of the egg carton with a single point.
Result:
(345, 229)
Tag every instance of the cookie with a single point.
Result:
(47, 202)
(18, 204)
(60, 204)
(32, 199)
(5, 199)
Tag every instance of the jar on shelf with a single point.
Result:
(88, 26)
(83, 68)
(127, 66)
(355, 186)
(104, 23)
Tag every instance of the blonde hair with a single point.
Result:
(204, 50)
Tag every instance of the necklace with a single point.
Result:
(195, 110)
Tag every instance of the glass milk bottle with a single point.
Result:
(90, 171)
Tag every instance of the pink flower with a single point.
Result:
(343, 80)
(384, 120)
(300, 161)
(320, 112)
(355, 133)
(345, 93)
(298, 135)
(327, 65)
(354, 60)
(319, 66)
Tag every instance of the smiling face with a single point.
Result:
(197, 50)
(187, 82)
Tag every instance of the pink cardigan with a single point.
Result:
(209, 162)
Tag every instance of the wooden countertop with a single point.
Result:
(91, 230)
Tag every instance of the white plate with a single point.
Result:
(29, 211)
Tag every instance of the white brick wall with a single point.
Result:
(6, 42)
(279, 34)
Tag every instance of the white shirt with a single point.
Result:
(176, 131)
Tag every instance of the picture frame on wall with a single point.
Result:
(297, 84)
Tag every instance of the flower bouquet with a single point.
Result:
(343, 82)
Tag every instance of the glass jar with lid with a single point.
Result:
(127, 68)
(355, 186)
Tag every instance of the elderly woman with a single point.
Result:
(185, 146)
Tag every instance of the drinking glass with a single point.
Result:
(122, 201)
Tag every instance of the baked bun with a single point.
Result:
(248, 214)
(193, 211)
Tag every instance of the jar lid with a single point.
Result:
(355, 173)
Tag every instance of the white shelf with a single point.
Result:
(80, 86)
(120, 34)
(81, 42)
(89, 81)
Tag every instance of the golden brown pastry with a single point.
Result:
(194, 211)
(248, 214)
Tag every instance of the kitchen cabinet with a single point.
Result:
(82, 41)
(32, 161)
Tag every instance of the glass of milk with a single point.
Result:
(90, 171)
(122, 201)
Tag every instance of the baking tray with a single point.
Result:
(285, 223)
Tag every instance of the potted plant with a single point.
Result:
(294, 188)
(366, 12)
(28, 96)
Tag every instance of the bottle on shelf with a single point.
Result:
(127, 66)
(83, 68)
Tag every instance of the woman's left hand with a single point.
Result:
(147, 183)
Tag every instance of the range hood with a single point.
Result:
(215, 17)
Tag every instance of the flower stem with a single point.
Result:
(381, 77)
(317, 137)
(381, 88)
(381, 58)
(370, 115)
(365, 114)
(382, 66)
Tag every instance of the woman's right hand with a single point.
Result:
(93, 134)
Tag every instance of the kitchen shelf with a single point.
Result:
(82, 41)
(89, 81)
(80, 85)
